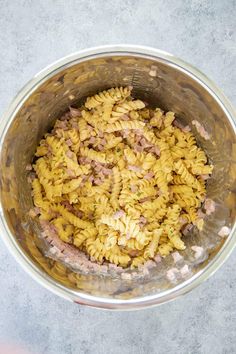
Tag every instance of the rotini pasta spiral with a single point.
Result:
(95, 249)
(137, 261)
(157, 119)
(37, 194)
(122, 125)
(186, 175)
(80, 236)
(64, 229)
(151, 248)
(126, 107)
(75, 139)
(93, 155)
(70, 217)
(134, 244)
(114, 255)
(110, 96)
(116, 188)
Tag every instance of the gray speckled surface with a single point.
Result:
(33, 33)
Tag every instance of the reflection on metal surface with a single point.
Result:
(158, 79)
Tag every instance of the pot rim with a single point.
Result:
(9, 240)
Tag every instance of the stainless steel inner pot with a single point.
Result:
(159, 79)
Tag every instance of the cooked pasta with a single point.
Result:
(120, 181)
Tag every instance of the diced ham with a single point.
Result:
(125, 133)
(205, 177)
(97, 181)
(97, 166)
(133, 253)
(68, 205)
(178, 124)
(186, 129)
(153, 71)
(34, 212)
(91, 179)
(115, 268)
(133, 188)
(63, 124)
(172, 274)
(126, 276)
(84, 160)
(185, 271)
(128, 235)
(149, 175)
(201, 130)
(183, 220)
(119, 269)
(145, 143)
(104, 268)
(70, 173)
(199, 251)
(100, 134)
(92, 140)
(157, 258)
(138, 132)
(54, 250)
(134, 168)
(69, 142)
(224, 231)
(177, 257)
(149, 264)
(100, 147)
(138, 148)
(106, 171)
(145, 199)
(143, 220)
(29, 167)
(74, 124)
(187, 229)
(145, 271)
(103, 141)
(31, 177)
(210, 206)
(78, 213)
(118, 214)
(69, 154)
(125, 117)
(74, 112)
(155, 150)
(112, 266)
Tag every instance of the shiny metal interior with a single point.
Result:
(175, 86)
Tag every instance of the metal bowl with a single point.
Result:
(161, 80)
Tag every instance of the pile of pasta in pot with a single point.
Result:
(120, 181)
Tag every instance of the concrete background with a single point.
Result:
(34, 33)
